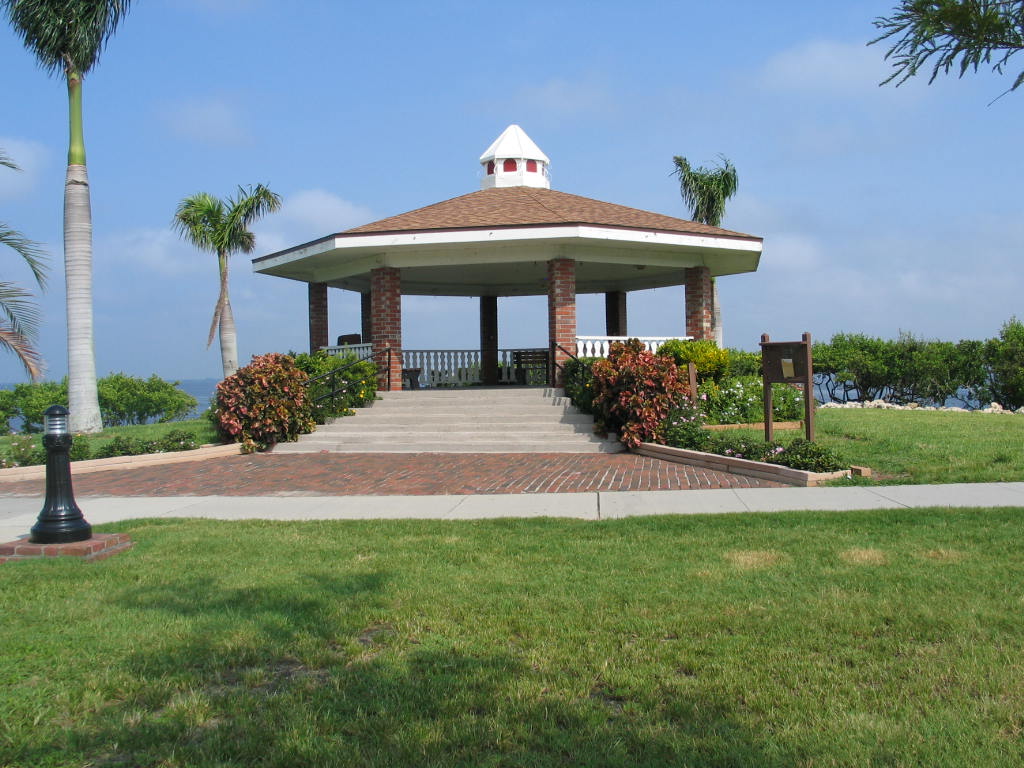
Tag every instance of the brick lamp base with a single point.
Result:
(100, 546)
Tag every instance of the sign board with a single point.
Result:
(788, 362)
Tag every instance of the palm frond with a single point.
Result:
(250, 204)
(29, 250)
(26, 353)
(65, 35)
(215, 323)
(7, 162)
(199, 219)
(19, 308)
(706, 190)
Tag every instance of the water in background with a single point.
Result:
(202, 390)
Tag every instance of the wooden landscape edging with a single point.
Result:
(38, 471)
(745, 467)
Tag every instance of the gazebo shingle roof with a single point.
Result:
(531, 206)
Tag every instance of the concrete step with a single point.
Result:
(386, 418)
(490, 427)
(467, 420)
(464, 437)
(467, 393)
(450, 404)
(501, 446)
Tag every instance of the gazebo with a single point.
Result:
(513, 237)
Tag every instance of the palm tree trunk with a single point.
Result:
(228, 341)
(228, 338)
(83, 402)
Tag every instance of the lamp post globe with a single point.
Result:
(60, 521)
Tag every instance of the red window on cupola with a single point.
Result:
(490, 167)
(531, 166)
(509, 166)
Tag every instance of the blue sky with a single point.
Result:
(882, 209)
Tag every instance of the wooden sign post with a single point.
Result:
(787, 362)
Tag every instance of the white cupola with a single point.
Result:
(513, 160)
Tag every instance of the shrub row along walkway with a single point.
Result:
(382, 474)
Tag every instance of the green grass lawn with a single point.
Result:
(202, 428)
(910, 447)
(810, 639)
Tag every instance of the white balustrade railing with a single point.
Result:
(359, 350)
(457, 367)
(598, 346)
(461, 367)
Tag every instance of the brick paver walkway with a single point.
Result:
(413, 474)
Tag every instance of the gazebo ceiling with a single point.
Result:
(498, 241)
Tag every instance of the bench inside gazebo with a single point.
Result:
(513, 237)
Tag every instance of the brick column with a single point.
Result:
(386, 312)
(317, 316)
(561, 312)
(615, 313)
(699, 309)
(489, 340)
(366, 317)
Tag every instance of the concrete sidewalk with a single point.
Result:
(18, 515)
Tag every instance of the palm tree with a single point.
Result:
(705, 191)
(21, 317)
(67, 37)
(222, 226)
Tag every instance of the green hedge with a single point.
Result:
(907, 369)
(124, 400)
(354, 387)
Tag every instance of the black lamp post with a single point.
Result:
(61, 520)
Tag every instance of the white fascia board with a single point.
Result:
(382, 243)
(571, 232)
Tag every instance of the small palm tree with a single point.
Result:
(222, 226)
(67, 37)
(21, 317)
(705, 191)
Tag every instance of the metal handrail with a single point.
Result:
(335, 371)
(555, 363)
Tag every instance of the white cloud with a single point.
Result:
(31, 157)
(557, 98)
(792, 251)
(209, 121)
(568, 98)
(321, 212)
(306, 215)
(825, 66)
(153, 252)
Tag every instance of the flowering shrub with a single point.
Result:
(353, 388)
(741, 401)
(122, 445)
(710, 361)
(579, 382)
(264, 403)
(798, 454)
(684, 428)
(634, 390)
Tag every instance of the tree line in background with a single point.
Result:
(855, 367)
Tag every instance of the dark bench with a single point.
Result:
(531, 361)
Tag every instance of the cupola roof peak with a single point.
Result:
(513, 143)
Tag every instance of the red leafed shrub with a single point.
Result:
(264, 403)
(634, 390)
